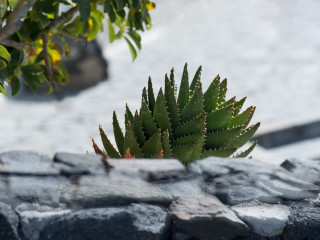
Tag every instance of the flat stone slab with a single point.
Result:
(26, 163)
(137, 221)
(102, 191)
(265, 219)
(79, 164)
(205, 217)
(149, 169)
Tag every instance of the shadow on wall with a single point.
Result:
(86, 67)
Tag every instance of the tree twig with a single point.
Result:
(17, 45)
(46, 60)
(64, 17)
(13, 24)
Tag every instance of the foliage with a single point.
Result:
(187, 126)
(32, 35)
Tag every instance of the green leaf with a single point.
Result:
(197, 149)
(151, 97)
(166, 145)
(15, 85)
(246, 152)
(218, 152)
(13, 3)
(108, 9)
(188, 139)
(238, 105)
(210, 97)
(132, 49)
(152, 147)
(130, 142)
(138, 131)
(136, 38)
(32, 68)
(64, 73)
(128, 115)
(245, 136)
(244, 118)
(227, 103)
(17, 57)
(135, 3)
(219, 119)
(118, 135)
(183, 97)
(144, 96)
(3, 64)
(171, 104)
(220, 139)
(2, 90)
(160, 113)
(222, 92)
(196, 79)
(195, 106)
(173, 83)
(183, 152)
(112, 33)
(148, 123)
(85, 10)
(4, 54)
(120, 4)
(30, 80)
(3, 8)
(108, 147)
(195, 125)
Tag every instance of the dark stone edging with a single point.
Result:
(73, 197)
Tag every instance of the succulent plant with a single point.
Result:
(187, 125)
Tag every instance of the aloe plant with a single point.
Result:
(187, 125)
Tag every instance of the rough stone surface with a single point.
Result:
(137, 221)
(77, 164)
(265, 219)
(304, 223)
(8, 223)
(149, 169)
(72, 196)
(99, 191)
(206, 218)
(26, 162)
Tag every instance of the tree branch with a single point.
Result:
(17, 45)
(64, 17)
(13, 22)
(46, 60)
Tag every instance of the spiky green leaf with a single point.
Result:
(138, 131)
(148, 124)
(246, 152)
(243, 119)
(173, 83)
(152, 147)
(196, 79)
(183, 152)
(128, 115)
(110, 150)
(197, 149)
(238, 105)
(171, 103)
(227, 103)
(219, 119)
(151, 97)
(183, 97)
(195, 106)
(210, 97)
(195, 125)
(245, 136)
(221, 138)
(130, 142)
(160, 113)
(166, 145)
(145, 96)
(188, 139)
(118, 135)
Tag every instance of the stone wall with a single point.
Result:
(74, 196)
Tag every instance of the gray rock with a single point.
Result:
(149, 169)
(79, 164)
(137, 221)
(115, 189)
(8, 223)
(304, 223)
(26, 163)
(205, 217)
(265, 219)
(42, 190)
(34, 218)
